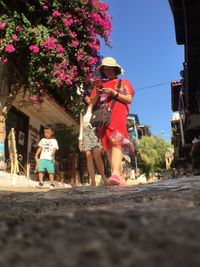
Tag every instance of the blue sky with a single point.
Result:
(144, 44)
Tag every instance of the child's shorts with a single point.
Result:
(46, 165)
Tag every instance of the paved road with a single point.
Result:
(146, 225)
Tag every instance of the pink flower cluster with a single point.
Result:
(105, 24)
(67, 22)
(19, 28)
(94, 45)
(2, 25)
(92, 61)
(10, 48)
(49, 43)
(14, 37)
(60, 74)
(75, 43)
(56, 14)
(44, 4)
(34, 48)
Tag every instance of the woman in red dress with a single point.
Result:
(114, 138)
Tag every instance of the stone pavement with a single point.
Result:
(152, 225)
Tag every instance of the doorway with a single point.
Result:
(20, 122)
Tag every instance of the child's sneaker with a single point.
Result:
(52, 186)
(40, 185)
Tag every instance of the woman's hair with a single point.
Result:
(86, 93)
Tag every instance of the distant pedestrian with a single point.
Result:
(45, 156)
(90, 143)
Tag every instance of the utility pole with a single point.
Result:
(136, 144)
(134, 134)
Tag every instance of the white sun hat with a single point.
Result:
(110, 62)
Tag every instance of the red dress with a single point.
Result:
(116, 133)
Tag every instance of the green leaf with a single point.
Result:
(27, 23)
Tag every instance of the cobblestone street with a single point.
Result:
(146, 225)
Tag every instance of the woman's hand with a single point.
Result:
(126, 99)
(108, 91)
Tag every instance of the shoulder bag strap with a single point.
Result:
(118, 89)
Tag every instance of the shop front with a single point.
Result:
(28, 122)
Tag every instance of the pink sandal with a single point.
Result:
(116, 180)
(122, 181)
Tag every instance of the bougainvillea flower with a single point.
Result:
(10, 48)
(2, 25)
(34, 48)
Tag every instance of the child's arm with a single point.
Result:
(38, 153)
(55, 147)
(53, 151)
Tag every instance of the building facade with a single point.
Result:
(28, 121)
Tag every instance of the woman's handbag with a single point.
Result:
(102, 116)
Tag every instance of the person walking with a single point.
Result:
(114, 137)
(89, 143)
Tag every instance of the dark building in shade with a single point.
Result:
(186, 92)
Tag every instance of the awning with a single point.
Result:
(49, 112)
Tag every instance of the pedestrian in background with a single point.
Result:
(89, 142)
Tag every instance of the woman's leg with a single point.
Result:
(90, 166)
(116, 161)
(116, 177)
(99, 163)
(109, 156)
